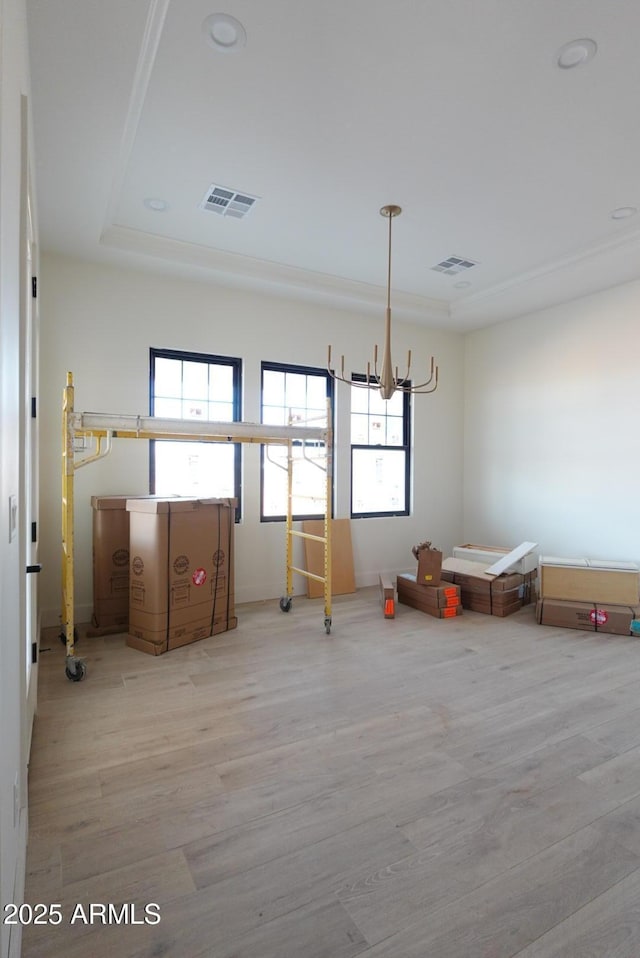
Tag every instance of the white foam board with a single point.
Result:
(505, 563)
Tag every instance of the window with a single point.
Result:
(297, 395)
(379, 452)
(199, 387)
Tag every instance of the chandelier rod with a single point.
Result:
(390, 217)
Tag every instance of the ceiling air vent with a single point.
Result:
(453, 265)
(226, 202)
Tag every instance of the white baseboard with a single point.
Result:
(15, 931)
(252, 592)
(52, 617)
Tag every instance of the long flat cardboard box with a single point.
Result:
(489, 606)
(420, 597)
(587, 616)
(437, 596)
(387, 596)
(473, 575)
(479, 592)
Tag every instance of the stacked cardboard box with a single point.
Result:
(480, 592)
(110, 563)
(181, 571)
(526, 565)
(588, 594)
(440, 601)
(587, 616)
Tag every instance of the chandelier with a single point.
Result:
(386, 379)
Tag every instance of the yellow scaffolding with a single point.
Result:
(103, 428)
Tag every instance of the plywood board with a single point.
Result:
(614, 586)
(343, 578)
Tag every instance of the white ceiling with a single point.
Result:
(456, 110)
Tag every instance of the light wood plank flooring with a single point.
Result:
(407, 788)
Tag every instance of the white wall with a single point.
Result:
(551, 449)
(13, 817)
(99, 323)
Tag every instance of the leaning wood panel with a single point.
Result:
(343, 579)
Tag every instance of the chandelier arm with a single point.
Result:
(425, 392)
(376, 374)
(402, 388)
(337, 376)
(429, 381)
(408, 373)
(372, 384)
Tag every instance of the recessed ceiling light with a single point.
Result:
(623, 212)
(575, 53)
(153, 203)
(224, 33)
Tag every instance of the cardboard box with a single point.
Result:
(589, 580)
(472, 575)
(442, 602)
(529, 590)
(429, 566)
(387, 597)
(181, 571)
(587, 616)
(480, 592)
(489, 606)
(490, 554)
(110, 562)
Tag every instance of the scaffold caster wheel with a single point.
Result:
(79, 674)
(327, 625)
(285, 603)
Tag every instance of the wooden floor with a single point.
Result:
(408, 788)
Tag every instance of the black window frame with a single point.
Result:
(405, 447)
(209, 359)
(298, 369)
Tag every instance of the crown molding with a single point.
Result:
(234, 269)
(610, 262)
(154, 26)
